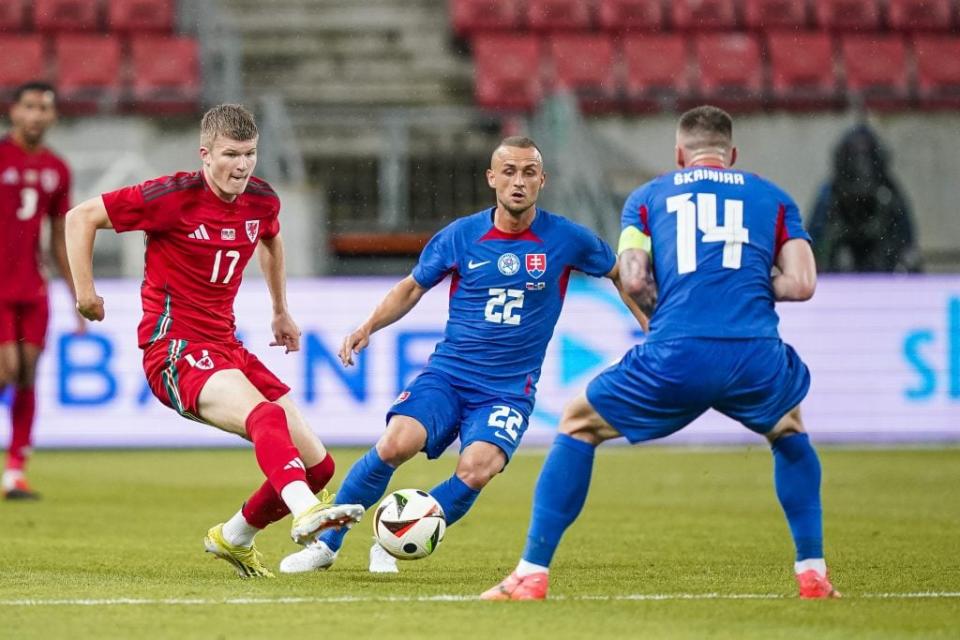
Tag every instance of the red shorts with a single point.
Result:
(24, 321)
(177, 370)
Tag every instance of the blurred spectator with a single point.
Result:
(861, 220)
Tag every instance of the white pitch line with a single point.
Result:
(650, 597)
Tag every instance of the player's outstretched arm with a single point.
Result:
(631, 304)
(58, 249)
(797, 279)
(80, 230)
(286, 333)
(398, 302)
(636, 277)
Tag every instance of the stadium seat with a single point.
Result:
(704, 14)
(88, 72)
(731, 71)
(471, 16)
(847, 15)
(166, 73)
(507, 71)
(22, 61)
(802, 74)
(630, 15)
(13, 14)
(66, 15)
(548, 15)
(584, 64)
(876, 69)
(140, 15)
(657, 71)
(919, 15)
(764, 15)
(938, 70)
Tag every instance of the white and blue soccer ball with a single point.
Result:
(409, 524)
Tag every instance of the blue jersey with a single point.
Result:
(505, 295)
(715, 235)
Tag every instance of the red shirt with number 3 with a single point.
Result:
(197, 247)
(33, 185)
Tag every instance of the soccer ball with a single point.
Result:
(409, 524)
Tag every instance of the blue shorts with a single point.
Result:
(660, 387)
(449, 409)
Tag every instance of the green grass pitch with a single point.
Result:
(673, 543)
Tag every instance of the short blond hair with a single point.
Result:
(232, 121)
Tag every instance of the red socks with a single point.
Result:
(277, 456)
(265, 506)
(22, 411)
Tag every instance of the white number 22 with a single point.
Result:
(500, 309)
(702, 214)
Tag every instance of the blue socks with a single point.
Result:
(796, 474)
(560, 494)
(455, 497)
(366, 481)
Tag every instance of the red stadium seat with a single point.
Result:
(847, 15)
(657, 71)
(66, 15)
(876, 69)
(584, 64)
(547, 15)
(731, 72)
(704, 14)
(470, 16)
(166, 73)
(802, 73)
(22, 61)
(918, 15)
(630, 15)
(88, 72)
(775, 14)
(140, 15)
(13, 14)
(507, 71)
(938, 70)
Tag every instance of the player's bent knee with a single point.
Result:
(479, 464)
(789, 424)
(402, 440)
(581, 421)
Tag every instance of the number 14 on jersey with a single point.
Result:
(702, 214)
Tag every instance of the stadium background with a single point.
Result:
(378, 119)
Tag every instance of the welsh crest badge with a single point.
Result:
(253, 229)
(536, 264)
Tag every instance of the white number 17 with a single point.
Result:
(702, 214)
(233, 256)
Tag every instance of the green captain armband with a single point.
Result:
(633, 238)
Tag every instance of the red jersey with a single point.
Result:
(33, 185)
(197, 248)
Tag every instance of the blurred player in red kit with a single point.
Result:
(34, 184)
(202, 228)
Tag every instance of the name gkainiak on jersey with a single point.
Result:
(723, 177)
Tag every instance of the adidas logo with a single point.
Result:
(296, 463)
(200, 234)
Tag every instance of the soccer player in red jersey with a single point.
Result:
(201, 230)
(34, 184)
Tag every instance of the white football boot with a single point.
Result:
(381, 561)
(316, 556)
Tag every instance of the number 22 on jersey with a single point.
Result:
(702, 214)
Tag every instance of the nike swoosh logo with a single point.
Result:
(474, 265)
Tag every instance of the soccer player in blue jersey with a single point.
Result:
(699, 245)
(509, 267)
